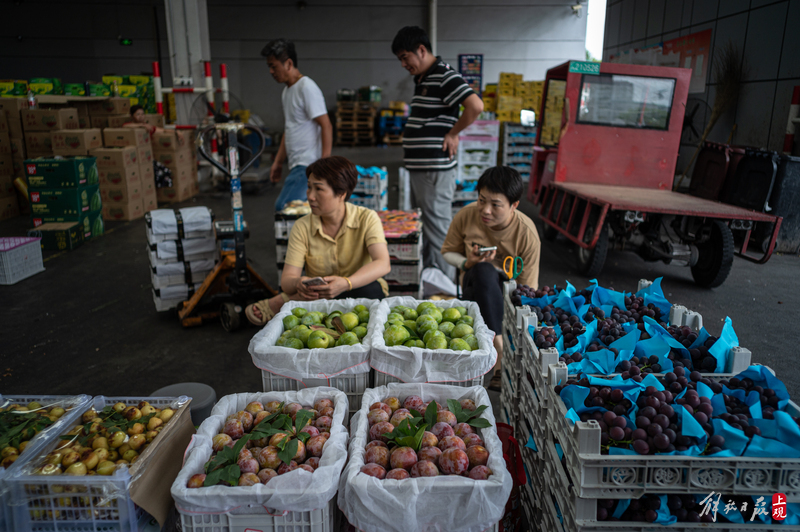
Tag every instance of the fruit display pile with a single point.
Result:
(106, 440)
(601, 331)
(430, 327)
(304, 329)
(687, 413)
(264, 441)
(19, 424)
(416, 439)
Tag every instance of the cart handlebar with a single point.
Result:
(226, 128)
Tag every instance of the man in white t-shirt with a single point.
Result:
(308, 133)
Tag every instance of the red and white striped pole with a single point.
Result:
(794, 112)
(209, 87)
(223, 82)
(157, 88)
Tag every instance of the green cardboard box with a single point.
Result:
(13, 87)
(61, 173)
(46, 86)
(63, 202)
(93, 225)
(75, 89)
(99, 89)
(59, 236)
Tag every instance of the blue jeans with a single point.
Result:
(294, 188)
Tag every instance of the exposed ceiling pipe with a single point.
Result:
(432, 23)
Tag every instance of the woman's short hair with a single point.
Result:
(135, 108)
(502, 180)
(340, 174)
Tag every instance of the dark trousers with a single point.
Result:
(371, 291)
(483, 284)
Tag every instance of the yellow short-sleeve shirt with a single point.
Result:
(310, 248)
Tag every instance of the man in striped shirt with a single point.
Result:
(430, 138)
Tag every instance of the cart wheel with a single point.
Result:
(549, 233)
(715, 257)
(590, 261)
(230, 317)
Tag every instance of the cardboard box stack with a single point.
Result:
(183, 251)
(124, 186)
(531, 93)
(175, 149)
(553, 109)
(113, 112)
(65, 190)
(13, 159)
(508, 103)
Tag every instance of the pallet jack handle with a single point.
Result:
(231, 131)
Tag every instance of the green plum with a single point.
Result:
(310, 319)
(461, 330)
(461, 310)
(422, 306)
(437, 342)
(349, 320)
(435, 312)
(457, 344)
(299, 312)
(394, 316)
(414, 343)
(410, 314)
(431, 334)
(318, 340)
(447, 327)
(466, 319)
(451, 314)
(471, 340)
(360, 332)
(426, 323)
(360, 308)
(294, 343)
(409, 324)
(328, 320)
(303, 335)
(348, 338)
(363, 316)
(395, 335)
(290, 322)
(399, 309)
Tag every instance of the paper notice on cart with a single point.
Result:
(301, 364)
(417, 364)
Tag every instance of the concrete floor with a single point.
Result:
(87, 324)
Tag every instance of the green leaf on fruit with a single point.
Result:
(431, 415)
(411, 334)
(479, 423)
(455, 407)
(303, 436)
(213, 478)
(289, 450)
(301, 419)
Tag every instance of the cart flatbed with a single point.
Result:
(649, 200)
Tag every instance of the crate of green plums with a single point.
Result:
(444, 342)
(317, 343)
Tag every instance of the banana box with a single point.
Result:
(13, 87)
(64, 202)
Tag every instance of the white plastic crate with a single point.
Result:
(255, 518)
(382, 379)
(73, 404)
(406, 251)
(473, 171)
(352, 385)
(632, 476)
(372, 184)
(465, 195)
(404, 273)
(483, 128)
(283, 228)
(375, 202)
(20, 258)
(93, 503)
(280, 252)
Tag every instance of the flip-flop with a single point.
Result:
(263, 307)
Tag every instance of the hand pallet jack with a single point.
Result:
(232, 284)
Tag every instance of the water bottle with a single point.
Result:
(31, 100)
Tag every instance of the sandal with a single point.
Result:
(263, 308)
(495, 382)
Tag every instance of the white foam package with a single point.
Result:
(300, 364)
(417, 364)
(295, 491)
(163, 225)
(443, 503)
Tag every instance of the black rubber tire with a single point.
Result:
(715, 257)
(230, 318)
(549, 233)
(591, 261)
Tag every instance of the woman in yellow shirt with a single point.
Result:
(340, 242)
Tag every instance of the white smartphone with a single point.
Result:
(316, 281)
(484, 250)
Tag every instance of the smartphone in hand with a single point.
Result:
(484, 250)
(316, 281)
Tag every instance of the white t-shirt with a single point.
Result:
(302, 103)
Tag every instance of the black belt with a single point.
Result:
(179, 220)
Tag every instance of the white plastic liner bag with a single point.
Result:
(417, 364)
(440, 504)
(296, 491)
(301, 364)
(197, 223)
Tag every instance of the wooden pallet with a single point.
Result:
(355, 142)
(393, 140)
(354, 124)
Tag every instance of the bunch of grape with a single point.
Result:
(683, 507)
(545, 338)
(700, 358)
(527, 291)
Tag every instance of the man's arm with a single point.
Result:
(277, 165)
(327, 134)
(473, 106)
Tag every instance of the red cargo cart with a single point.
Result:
(603, 169)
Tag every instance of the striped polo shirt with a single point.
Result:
(434, 112)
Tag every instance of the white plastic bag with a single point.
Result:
(197, 222)
(296, 491)
(444, 503)
(417, 364)
(301, 364)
